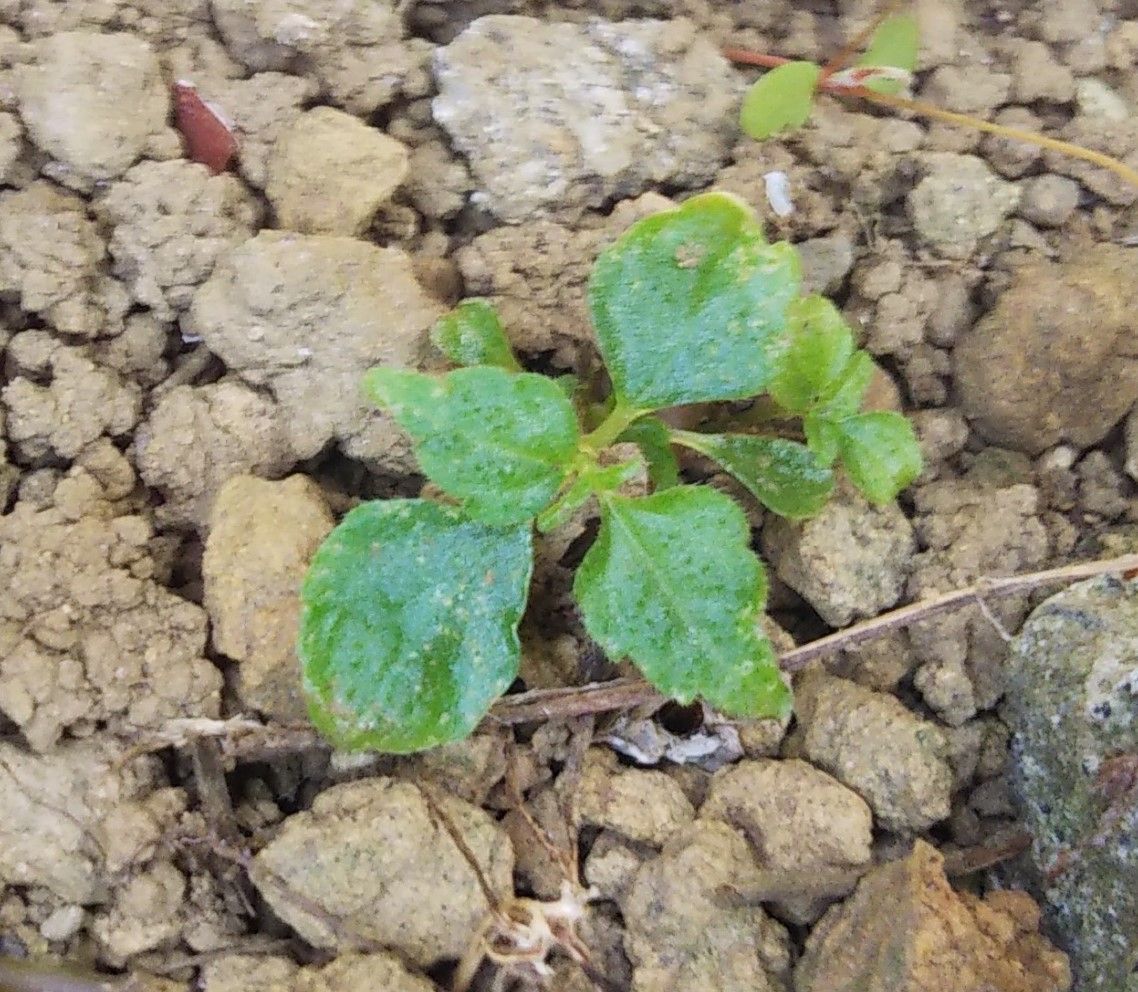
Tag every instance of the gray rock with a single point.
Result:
(1073, 708)
(329, 173)
(850, 560)
(371, 856)
(1049, 200)
(306, 316)
(1035, 372)
(557, 116)
(959, 201)
(867, 740)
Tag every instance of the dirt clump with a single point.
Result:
(644, 806)
(261, 537)
(170, 221)
(681, 931)
(96, 103)
(1035, 371)
(355, 54)
(306, 316)
(81, 401)
(261, 108)
(347, 973)
(536, 277)
(53, 259)
(87, 636)
(850, 560)
(196, 437)
(71, 856)
(329, 173)
(970, 531)
(959, 202)
(369, 861)
(872, 744)
(906, 930)
(808, 831)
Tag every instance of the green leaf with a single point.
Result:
(500, 442)
(408, 631)
(672, 583)
(780, 100)
(690, 305)
(654, 439)
(880, 452)
(821, 345)
(845, 393)
(896, 43)
(822, 436)
(471, 334)
(785, 476)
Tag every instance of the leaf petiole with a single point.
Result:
(620, 418)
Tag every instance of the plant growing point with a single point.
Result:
(409, 627)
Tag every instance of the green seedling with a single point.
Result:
(784, 97)
(411, 606)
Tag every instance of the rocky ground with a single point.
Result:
(180, 427)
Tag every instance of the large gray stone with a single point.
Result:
(558, 116)
(1073, 707)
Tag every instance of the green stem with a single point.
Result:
(616, 423)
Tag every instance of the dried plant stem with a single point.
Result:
(601, 697)
(538, 705)
(744, 56)
(1100, 159)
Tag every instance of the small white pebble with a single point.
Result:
(778, 193)
(63, 923)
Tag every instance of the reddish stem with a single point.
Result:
(744, 56)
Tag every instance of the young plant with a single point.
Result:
(783, 98)
(411, 606)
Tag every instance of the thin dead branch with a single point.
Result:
(540, 705)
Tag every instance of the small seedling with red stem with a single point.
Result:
(783, 98)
